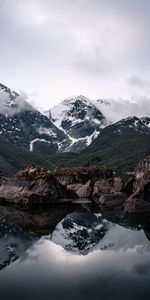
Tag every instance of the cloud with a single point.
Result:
(121, 108)
(137, 81)
(10, 106)
(56, 48)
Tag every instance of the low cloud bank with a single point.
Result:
(13, 104)
(118, 109)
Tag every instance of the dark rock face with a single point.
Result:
(87, 182)
(137, 206)
(102, 186)
(82, 174)
(139, 200)
(81, 121)
(82, 190)
(96, 183)
(38, 186)
(131, 193)
(33, 186)
(111, 201)
(127, 184)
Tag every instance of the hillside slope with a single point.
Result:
(13, 159)
(22, 125)
(121, 145)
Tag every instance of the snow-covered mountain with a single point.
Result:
(85, 232)
(80, 120)
(23, 125)
(129, 129)
(139, 125)
(70, 126)
(121, 145)
(81, 232)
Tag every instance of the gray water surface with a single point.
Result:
(83, 255)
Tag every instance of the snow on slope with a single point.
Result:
(80, 120)
(80, 232)
(11, 102)
(24, 126)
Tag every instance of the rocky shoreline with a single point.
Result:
(130, 193)
(37, 186)
(33, 186)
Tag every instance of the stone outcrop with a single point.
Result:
(137, 206)
(33, 186)
(38, 186)
(97, 183)
(102, 186)
(139, 200)
(82, 190)
(81, 175)
(111, 201)
(87, 182)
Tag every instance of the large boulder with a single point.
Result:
(33, 186)
(139, 200)
(103, 186)
(137, 206)
(82, 190)
(111, 201)
(87, 182)
(81, 175)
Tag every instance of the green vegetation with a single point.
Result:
(119, 149)
(13, 159)
(122, 151)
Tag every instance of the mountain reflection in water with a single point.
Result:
(73, 252)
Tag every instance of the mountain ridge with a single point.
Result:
(24, 126)
(76, 126)
(79, 119)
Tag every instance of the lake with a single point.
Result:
(73, 252)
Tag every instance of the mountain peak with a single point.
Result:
(80, 120)
(72, 100)
(12, 103)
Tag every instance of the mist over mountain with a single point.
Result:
(117, 109)
(114, 109)
(24, 126)
(77, 125)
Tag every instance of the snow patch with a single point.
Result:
(37, 140)
(48, 131)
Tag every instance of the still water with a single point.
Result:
(73, 253)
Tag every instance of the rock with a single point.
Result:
(87, 182)
(81, 175)
(82, 190)
(139, 200)
(33, 186)
(36, 221)
(137, 206)
(127, 184)
(117, 184)
(111, 201)
(142, 167)
(103, 186)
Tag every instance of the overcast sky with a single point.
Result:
(52, 49)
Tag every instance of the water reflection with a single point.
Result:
(115, 264)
